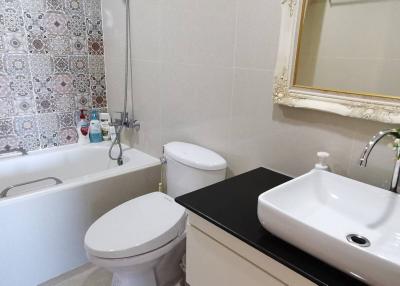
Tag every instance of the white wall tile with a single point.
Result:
(202, 36)
(258, 23)
(211, 84)
(195, 105)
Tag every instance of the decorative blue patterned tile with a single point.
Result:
(12, 19)
(96, 64)
(10, 141)
(65, 102)
(77, 25)
(98, 91)
(38, 44)
(24, 106)
(49, 139)
(68, 136)
(93, 8)
(5, 90)
(42, 85)
(35, 23)
(2, 42)
(79, 45)
(48, 123)
(60, 45)
(46, 74)
(78, 64)
(97, 84)
(62, 84)
(2, 64)
(21, 85)
(94, 27)
(16, 64)
(74, 6)
(99, 100)
(6, 127)
(56, 23)
(29, 142)
(82, 101)
(15, 43)
(33, 5)
(15, 4)
(6, 107)
(66, 119)
(81, 84)
(55, 5)
(41, 65)
(61, 65)
(95, 45)
(45, 104)
(24, 125)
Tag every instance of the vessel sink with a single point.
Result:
(350, 225)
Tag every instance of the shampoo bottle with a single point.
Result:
(95, 128)
(105, 125)
(83, 128)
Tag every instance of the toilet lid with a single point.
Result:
(138, 226)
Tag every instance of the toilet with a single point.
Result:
(142, 241)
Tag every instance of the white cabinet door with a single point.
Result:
(210, 263)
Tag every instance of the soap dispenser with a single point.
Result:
(95, 134)
(322, 164)
(83, 128)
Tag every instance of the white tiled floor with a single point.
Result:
(87, 275)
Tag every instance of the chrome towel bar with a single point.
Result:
(3, 194)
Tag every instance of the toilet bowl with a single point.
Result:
(143, 240)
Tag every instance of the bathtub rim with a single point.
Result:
(56, 149)
(85, 179)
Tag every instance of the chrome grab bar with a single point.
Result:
(8, 150)
(3, 194)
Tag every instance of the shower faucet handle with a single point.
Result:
(134, 124)
(126, 121)
(118, 121)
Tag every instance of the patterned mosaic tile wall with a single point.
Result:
(51, 64)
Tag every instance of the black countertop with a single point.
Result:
(232, 206)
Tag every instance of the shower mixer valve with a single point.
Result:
(125, 121)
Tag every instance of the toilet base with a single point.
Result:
(157, 268)
(146, 278)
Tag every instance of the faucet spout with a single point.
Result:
(374, 140)
(395, 133)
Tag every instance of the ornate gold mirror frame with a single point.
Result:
(347, 104)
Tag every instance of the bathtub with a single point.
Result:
(42, 225)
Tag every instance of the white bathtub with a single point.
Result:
(42, 226)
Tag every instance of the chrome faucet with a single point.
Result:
(395, 133)
(8, 149)
(125, 121)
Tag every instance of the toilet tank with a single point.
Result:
(190, 167)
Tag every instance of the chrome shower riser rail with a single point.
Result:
(4, 193)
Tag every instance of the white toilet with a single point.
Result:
(143, 240)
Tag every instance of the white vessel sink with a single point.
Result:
(319, 210)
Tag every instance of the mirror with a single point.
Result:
(340, 56)
(350, 46)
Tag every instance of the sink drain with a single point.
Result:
(359, 240)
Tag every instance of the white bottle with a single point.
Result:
(82, 129)
(105, 126)
(322, 165)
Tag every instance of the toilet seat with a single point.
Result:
(141, 259)
(137, 227)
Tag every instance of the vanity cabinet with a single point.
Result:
(214, 257)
